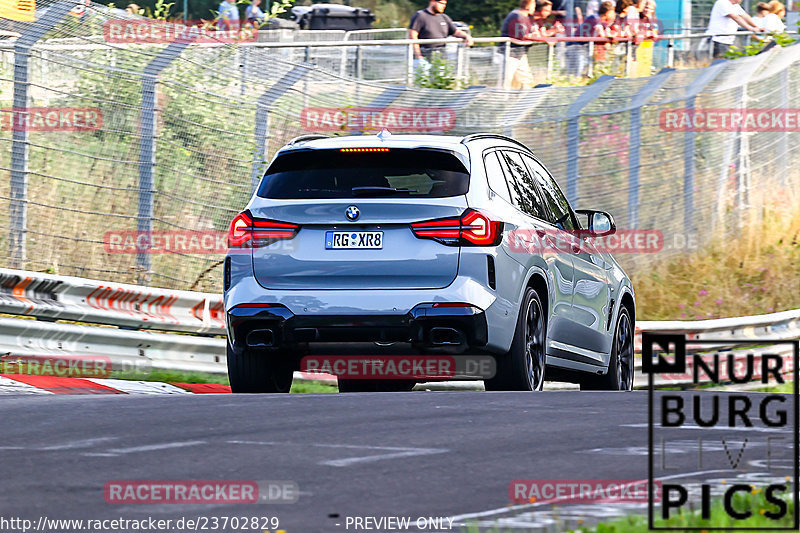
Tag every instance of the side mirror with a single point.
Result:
(599, 223)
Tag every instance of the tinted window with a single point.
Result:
(403, 173)
(496, 176)
(523, 189)
(561, 214)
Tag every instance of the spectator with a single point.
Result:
(599, 25)
(726, 17)
(432, 23)
(517, 25)
(133, 9)
(648, 26)
(775, 22)
(253, 13)
(626, 11)
(542, 26)
(228, 18)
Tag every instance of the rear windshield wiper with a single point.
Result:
(363, 191)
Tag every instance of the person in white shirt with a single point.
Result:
(778, 10)
(726, 17)
(768, 20)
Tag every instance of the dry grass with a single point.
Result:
(752, 271)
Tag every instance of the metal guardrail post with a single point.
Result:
(550, 54)
(590, 60)
(705, 77)
(573, 132)
(263, 104)
(358, 63)
(18, 206)
(634, 158)
(147, 149)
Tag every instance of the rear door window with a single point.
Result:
(522, 187)
(561, 213)
(341, 173)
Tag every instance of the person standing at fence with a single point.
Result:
(769, 17)
(432, 23)
(228, 18)
(599, 25)
(726, 17)
(517, 25)
(253, 13)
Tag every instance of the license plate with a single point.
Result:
(353, 240)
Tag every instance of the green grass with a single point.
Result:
(174, 376)
(754, 502)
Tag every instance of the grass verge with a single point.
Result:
(754, 502)
(174, 376)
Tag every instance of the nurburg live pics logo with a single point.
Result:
(753, 430)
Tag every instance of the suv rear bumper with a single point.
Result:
(426, 325)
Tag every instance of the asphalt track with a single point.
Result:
(419, 454)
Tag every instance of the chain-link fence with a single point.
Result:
(103, 140)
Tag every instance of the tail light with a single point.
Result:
(473, 228)
(246, 232)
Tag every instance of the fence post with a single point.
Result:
(410, 65)
(783, 143)
(634, 152)
(573, 132)
(705, 77)
(261, 133)
(670, 53)
(147, 150)
(590, 61)
(504, 66)
(550, 53)
(18, 212)
(358, 62)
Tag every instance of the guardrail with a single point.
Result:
(50, 297)
(131, 308)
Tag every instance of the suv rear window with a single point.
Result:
(398, 172)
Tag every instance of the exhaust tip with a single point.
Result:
(260, 338)
(440, 336)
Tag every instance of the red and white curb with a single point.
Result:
(31, 384)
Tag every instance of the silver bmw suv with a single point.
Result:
(421, 244)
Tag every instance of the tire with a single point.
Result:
(376, 385)
(250, 372)
(620, 363)
(523, 367)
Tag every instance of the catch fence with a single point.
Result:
(169, 138)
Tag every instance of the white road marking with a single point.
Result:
(12, 386)
(153, 447)
(718, 428)
(347, 461)
(520, 507)
(139, 387)
(73, 445)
